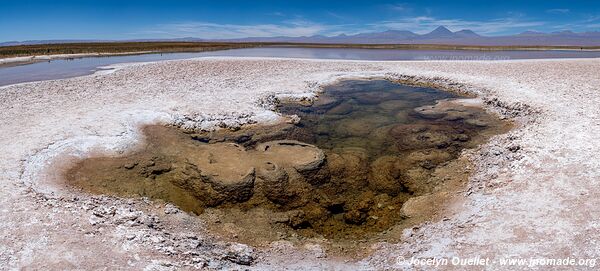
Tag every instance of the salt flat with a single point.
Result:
(534, 193)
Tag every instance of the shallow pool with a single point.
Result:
(343, 172)
(62, 68)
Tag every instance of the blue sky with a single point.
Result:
(109, 19)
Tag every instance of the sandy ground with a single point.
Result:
(534, 194)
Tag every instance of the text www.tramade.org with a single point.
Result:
(479, 261)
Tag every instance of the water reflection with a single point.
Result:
(58, 69)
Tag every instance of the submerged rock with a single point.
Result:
(355, 217)
(417, 136)
(361, 126)
(449, 110)
(341, 109)
(350, 166)
(392, 105)
(430, 112)
(325, 100)
(372, 97)
(477, 122)
(385, 175)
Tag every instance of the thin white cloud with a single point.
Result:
(558, 10)
(592, 18)
(207, 30)
(589, 23)
(515, 14)
(335, 15)
(403, 7)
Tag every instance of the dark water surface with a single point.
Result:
(58, 69)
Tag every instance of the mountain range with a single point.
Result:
(441, 35)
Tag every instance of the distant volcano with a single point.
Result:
(440, 35)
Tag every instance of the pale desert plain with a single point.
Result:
(534, 191)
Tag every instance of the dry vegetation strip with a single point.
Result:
(126, 47)
(116, 47)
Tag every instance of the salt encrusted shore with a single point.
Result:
(19, 60)
(535, 192)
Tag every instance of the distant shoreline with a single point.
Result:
(440, 47)
(24, 60)
(24, 54)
